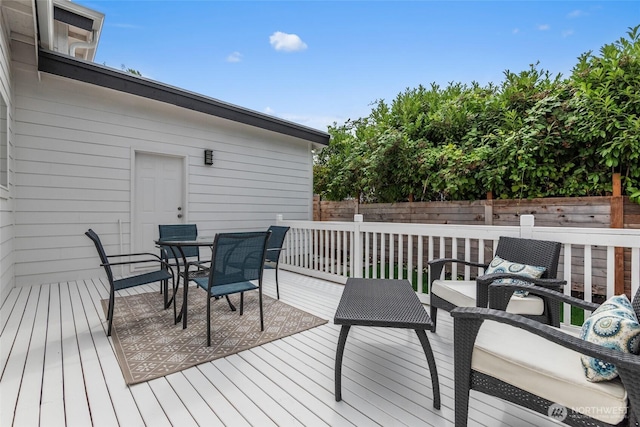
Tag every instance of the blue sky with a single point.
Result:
(319, 62)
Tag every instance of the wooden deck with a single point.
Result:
(59, 369)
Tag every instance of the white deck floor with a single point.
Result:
(59, 368)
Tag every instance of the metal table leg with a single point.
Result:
(435, 383)
(339, 353)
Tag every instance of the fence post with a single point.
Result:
(315, 208)
(279, 219)
(356, 256)
(617, 221)
(526, 226)
(488, 209)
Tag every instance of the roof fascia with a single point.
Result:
(85, 12)
(90, 14)
(66, 66)
(45, 22)
(71, 18)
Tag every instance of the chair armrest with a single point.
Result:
(274, 250)
(138, 261)
(136, 254)
(540, 291)
(201, 266)
(163, 263)
(468, 319)
(500, 297)
(436, 266)
(488, 279)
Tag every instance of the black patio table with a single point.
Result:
(383, 303)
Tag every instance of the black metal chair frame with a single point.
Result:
(467, 323)
(540, 253)
(161, 275)
(274, 248)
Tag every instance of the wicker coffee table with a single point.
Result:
(383, 303)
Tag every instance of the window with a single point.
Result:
(4, 144)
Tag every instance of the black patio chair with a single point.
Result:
(274, 248)
(163, 273)
(237, 266)
(184, 232)
(449, 294)
(191, 253)
(539, 367)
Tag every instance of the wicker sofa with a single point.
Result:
(537, 366)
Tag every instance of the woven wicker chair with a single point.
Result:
(449, 294)
(537, 366)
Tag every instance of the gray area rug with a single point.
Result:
(148, 345)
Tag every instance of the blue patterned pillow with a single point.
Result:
(613, 325)
(499, 265)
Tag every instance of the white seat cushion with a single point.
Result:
(545, 369)
(462, 293)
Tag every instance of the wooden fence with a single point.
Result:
(592, 212)
(587, 212)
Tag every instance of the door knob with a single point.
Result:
(179, 215)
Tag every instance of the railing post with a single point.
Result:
(526, 226)
(356, 256)
(279, 219)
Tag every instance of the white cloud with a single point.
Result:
(234, 57)
(286, 42)
(576, 13)
(544, 27)
(270, 111)
(567, 33)
(516, 30)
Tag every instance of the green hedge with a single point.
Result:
(533, 135)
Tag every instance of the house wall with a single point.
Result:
(6, 192)
(74, 151)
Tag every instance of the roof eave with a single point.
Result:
(66, 66)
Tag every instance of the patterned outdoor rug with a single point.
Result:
(148, 345)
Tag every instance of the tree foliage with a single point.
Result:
(533, 135)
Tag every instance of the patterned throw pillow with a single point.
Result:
(499, 265)
(613, 325)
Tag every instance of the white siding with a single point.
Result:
(7, 241)
(73, 171)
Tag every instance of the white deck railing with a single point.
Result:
(338, 250)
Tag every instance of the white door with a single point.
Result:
(159, 197)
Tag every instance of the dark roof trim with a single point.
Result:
(88, 72)
(71, 18)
